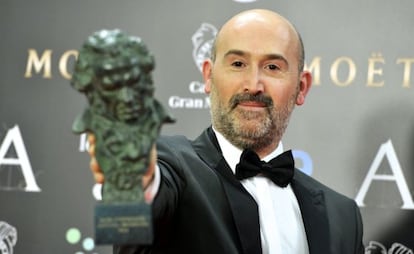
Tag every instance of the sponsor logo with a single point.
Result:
(202, 40)
(386, 152)
(8, 238)
(343, 70)
(16, 172)
(396, 248)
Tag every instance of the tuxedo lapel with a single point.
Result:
(243, 206)
(312, 205)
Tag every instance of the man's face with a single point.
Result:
(254, 83)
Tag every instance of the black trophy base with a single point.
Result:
(123, 223)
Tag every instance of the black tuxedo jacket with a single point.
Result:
(201, 208)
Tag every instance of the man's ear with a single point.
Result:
(207, 69)
(305, 83)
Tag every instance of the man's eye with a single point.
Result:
(273, 67)
(237, 64)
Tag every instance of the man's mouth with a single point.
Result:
(254, 104)
(250, 100)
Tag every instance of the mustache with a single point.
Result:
(247, 97)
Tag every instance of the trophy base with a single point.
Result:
(123, 223)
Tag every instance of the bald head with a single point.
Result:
(263, 23)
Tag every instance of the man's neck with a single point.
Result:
(265, 154)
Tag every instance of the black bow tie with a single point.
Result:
(279, 170)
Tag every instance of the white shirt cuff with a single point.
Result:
(152, 188)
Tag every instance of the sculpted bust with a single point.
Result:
(113, 70)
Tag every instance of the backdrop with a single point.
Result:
(355, 132)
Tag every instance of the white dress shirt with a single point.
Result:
(281, 225)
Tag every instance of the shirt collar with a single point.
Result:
(232, 154)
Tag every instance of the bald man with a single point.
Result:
(201, 203)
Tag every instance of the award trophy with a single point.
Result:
(113, 70)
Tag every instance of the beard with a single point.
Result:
(246, 128)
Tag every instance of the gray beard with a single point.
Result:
(231, 123)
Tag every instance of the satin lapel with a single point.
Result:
(312, 205)
(244, 208)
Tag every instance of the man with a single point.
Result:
(254, 78)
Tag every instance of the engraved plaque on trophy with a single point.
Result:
(113, 71)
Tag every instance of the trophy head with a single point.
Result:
(114, 71)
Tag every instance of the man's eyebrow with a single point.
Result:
(266, 56)
(277, 57)
(235, 52)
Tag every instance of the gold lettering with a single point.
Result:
(342, 72)
(407, 70)
(372, 71)
(315, 69)
(351, 71)
(63, 63)
(33, 61)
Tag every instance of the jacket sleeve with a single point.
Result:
(359, 248)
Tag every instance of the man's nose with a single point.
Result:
(254, 81)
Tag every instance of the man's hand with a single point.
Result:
(98, 174)
(93, 164)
